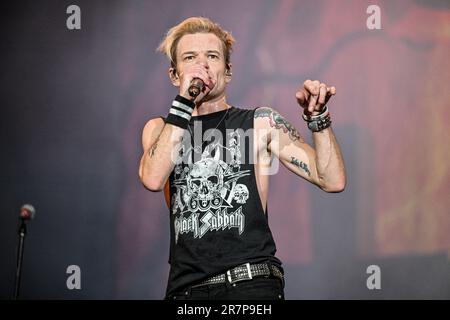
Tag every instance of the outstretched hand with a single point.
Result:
(314, 95)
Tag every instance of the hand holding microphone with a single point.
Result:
(196, 87)
(195, 83)
(199, 81)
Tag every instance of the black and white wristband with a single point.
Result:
(180, 112)
(318, 122)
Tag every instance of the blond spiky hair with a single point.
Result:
(195, 25)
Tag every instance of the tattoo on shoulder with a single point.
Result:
(152, 150)
(301, 165)
(277, 121)
(263, 112)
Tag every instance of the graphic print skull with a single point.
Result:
(207, 188)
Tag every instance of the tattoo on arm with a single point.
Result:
(277, 121)
(263, 112)
(301, 165)
(151, 152)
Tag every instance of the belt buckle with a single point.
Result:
(249, 272)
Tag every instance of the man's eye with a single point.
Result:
(213, 56)
(187, 58)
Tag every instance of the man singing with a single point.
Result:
(213, 160)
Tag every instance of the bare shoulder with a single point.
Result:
(263, 112)
(153, 124)
(270, 119)
(262, 117)
(151, 131)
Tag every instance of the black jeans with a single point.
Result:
(260, 288)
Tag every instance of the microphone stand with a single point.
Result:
(22, 233)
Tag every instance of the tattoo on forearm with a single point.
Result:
(277, 121)
(301, 165)
(152, 150)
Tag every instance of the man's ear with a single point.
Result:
(228, 72)
(174, 78)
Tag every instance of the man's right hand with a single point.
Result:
(191, 72)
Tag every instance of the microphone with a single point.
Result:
(196, 87)
(27, 212)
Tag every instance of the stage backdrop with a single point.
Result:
(74, 102)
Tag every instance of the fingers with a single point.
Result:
(198, 71)
(302, 96)
(313, 88)
(314, 95)
(204, 76)
(312, 102)
(331, 91)
(322, 94)
(192, 72)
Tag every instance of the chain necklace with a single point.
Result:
(198, 149)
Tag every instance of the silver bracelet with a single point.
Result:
(318, 122)
(321, 115)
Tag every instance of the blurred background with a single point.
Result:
(74, 102)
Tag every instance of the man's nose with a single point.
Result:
(203, 61)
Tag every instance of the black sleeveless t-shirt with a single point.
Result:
(217, 221)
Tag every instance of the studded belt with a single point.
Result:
(244, 272)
